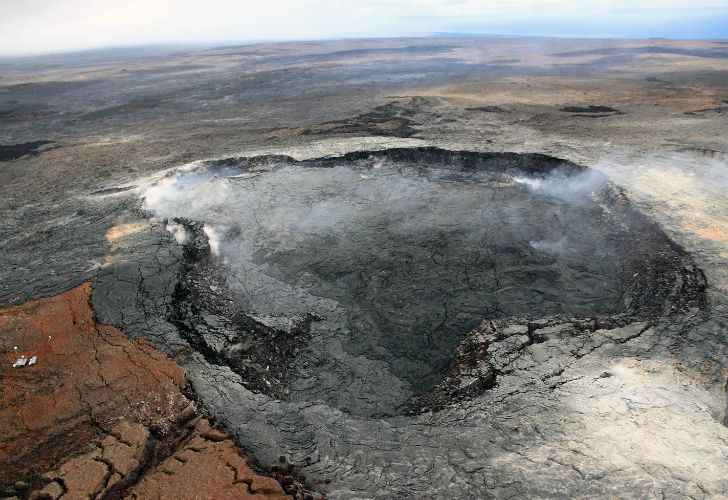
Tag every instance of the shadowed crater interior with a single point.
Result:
(351, 280)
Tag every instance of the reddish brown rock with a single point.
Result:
(214, 466)
(84, 476)
(87, 377)
(99, 415)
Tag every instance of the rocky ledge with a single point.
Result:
(93, 414)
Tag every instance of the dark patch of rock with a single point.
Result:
(14, 151)
(487, 109)
(590, 110)
(394, 119)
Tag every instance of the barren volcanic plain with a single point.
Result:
(447, 267)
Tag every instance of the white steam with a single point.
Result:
(191, 190)
(558, 247)
(214, 239)
(560, 184)
(178, 231)
(290, 205)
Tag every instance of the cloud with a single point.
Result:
(37, 26)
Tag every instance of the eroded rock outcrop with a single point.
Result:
(101, 416)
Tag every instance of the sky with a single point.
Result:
(45, 26)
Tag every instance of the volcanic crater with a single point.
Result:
(357, 281)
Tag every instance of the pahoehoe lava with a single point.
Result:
(370, 269)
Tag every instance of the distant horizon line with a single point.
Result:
(222, 44)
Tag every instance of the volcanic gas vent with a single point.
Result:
(351, 280)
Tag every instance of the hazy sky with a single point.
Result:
(38, 26)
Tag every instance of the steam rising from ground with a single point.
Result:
(565, 186)
(560, 246)
(178, 231)
(213, 238)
